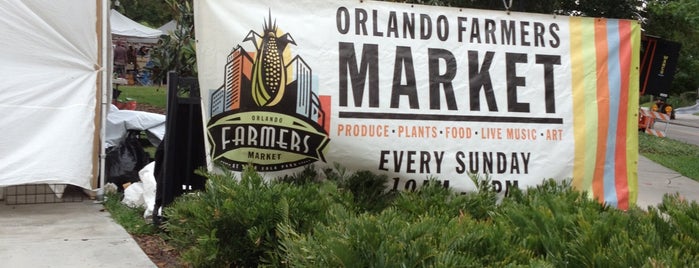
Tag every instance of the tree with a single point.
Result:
(176, 52)
(617, 9)
(147, 12)
(621, 9)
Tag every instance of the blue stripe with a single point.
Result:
(614, 68)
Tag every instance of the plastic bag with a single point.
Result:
(125, 160)
(133, 195)
(149, 187)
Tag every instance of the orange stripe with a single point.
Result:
(324, 119)
(602, 106)
(625, 52)
(654, 132)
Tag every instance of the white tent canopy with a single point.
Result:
(169, 27)
(131, 30)
(53, 84)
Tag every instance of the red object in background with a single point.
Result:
(644, 121)
(130, 105)
(127, 105)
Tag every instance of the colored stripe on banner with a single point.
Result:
(614, 91)
(621, 154)
(578, 80)
(603, 60)
(585, 118)
(632, 114)
(601, 45)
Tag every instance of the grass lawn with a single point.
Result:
(676, 155)
(129, 218)
(153, 95)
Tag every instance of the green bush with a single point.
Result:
(689, 96)
(434, 199)
(368, 191)
(550, 225)
(299, 221)
(378, 240)
(432, 227)
(682, 100)
(232, 222)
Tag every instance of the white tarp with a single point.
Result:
(48, 89)
(119, 122)
(122, 26)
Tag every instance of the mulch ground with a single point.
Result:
(159, 252)
(149, 108)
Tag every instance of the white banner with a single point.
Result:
(414, 92)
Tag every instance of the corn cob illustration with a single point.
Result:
(269, 76)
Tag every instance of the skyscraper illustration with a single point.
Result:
(228, 96)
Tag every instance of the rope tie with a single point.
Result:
(508, 5)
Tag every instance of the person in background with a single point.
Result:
(143, 51)
(120, 59)
(131, 56)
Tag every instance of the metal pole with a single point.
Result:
(106, 87)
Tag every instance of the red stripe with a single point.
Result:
(324, 119)
(620, 171)
(648, 60)
(602, 106)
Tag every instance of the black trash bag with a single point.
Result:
(125, 160)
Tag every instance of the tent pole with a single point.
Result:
(106, 84)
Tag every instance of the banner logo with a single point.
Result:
(268, 113)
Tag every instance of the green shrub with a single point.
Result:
(689, 96)
(342, 222)
(548, 217)
(307, 175)
(368, 189)
(680, 230)
(682, 100)
(434, 199)
(550, 225)
(377, 240)
(233, 221)
(432, 227)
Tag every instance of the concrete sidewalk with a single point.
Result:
(654, 181)
(77, 234)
